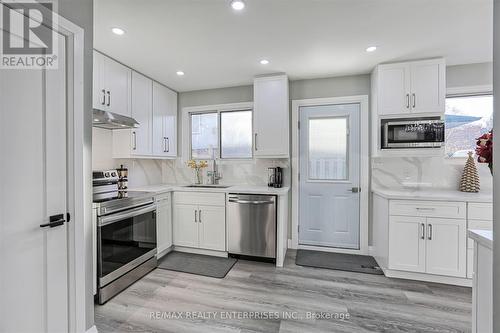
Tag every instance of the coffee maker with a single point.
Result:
(275, 177)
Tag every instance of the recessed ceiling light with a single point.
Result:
(237, 4)
(264, 62)
(180, 73)
(118, 31)
(371, 49)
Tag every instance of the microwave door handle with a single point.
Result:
(386, 136)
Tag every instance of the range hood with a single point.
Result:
(112, 121)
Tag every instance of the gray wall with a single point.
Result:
(81, 13)
(469, 75)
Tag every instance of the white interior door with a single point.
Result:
(329, 176)
(34, 262)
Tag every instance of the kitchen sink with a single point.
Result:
(208, 186)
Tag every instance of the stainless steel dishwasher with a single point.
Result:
(251, 225)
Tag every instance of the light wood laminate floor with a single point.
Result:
(374, 303)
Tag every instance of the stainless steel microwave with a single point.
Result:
(413, 133)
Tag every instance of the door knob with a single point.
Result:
(355, 189)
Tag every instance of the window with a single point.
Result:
(204, 136)
(224, 134)
(328, 148)
(236, 134)
(466, 118)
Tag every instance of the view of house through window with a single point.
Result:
(232, 140)
(466, 118)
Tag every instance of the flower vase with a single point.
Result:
(198, 176)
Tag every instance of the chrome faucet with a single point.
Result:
(214, 175)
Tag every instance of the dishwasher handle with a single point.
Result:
(253, 202)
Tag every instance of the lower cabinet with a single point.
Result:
(200, 221)
(406, 244)
(163, 222)
(428, 245)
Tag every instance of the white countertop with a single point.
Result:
(434, 194)
(250, 189)
(483, 237)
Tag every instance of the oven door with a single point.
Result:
(124, 241)
(416, 134)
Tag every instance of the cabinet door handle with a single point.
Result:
(423, 230)
(255, 142)
(414, 100)
(199, 216)
(135, 140)
(168, 145)
(103, 97)
(407, 101)
(195, 216)
(164, 144)
(430, 232)
(109, 98)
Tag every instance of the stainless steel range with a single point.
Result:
(126, 234)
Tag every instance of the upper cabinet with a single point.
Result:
(271, 117)
(121, 90)
(410, 87)
(112, 85)
(142, 111)
(164, 121)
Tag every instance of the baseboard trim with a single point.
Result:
(428, 278)
(201, 251)
(93, 329)
(164, 252)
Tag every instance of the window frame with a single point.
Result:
(189, 111)
(465, 91)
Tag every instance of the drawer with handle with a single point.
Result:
(428, 208)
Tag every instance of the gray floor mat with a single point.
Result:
(338, 261)
(216, 267)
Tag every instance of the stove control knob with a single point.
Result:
(106, 174)
(113, 174)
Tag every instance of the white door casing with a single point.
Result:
(34, 279)
(329, 176)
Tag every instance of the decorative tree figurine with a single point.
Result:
(470, 177)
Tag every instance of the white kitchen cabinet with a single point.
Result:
(407, 243)
(137, 142)
(163, 222)
(142, 91)
(428, 245)
(164, 136)
(446, 247)
(428, 86)
(200, 220)
(271, 117)
(394, 88)
(212, 230)
(111, 85)
(185, 225)
(479, 217)
(410, 88)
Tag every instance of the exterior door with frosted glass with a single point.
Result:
(329, 176)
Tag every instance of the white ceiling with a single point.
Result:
(217, 47)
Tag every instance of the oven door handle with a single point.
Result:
(105, 220)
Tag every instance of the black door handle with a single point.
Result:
(54, 221)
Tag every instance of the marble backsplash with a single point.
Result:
(252, 172)
(144, 172)
(424, 173)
